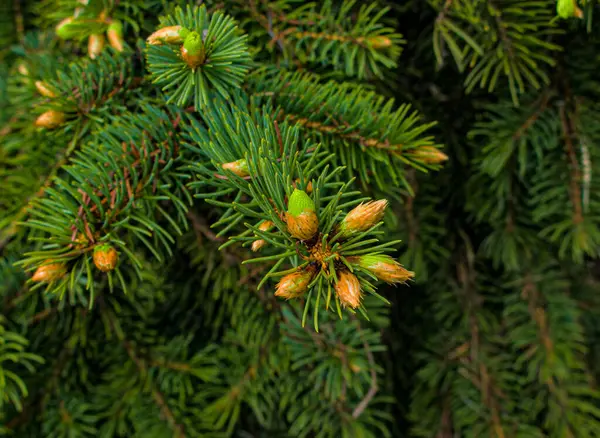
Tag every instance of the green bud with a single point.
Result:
(117, 27)
(568, 9)
(193, 44)
(299, 203)
(64, 29)
(183, 33)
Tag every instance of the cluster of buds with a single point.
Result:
(192, 48)
(50, 119)
(302, 223)
(258, 244)
(96, 42)
(105, 259)
(301, 217)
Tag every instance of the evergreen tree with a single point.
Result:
(281, 218)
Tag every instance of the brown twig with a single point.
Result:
(372, 389)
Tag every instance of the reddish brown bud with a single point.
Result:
(49, 272)
(50, 119)
(105, 257)
(363, 217)
(348, 289)
(301, 219)
(295, 284)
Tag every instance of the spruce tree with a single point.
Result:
(282, 218)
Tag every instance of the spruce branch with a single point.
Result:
(500, 38)
(204, 54)
(369, 136)
(326, 251)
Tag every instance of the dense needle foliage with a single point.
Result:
(282, 218)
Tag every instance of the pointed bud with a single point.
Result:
(95, 45)
(295, 284)
(168, 35)
(192, 50)
(239, 167)
(115, 35)
(429, 155)
(44, 89)
(363, 217)
(258, 244)
(49, 272)
(348, 289)
(383, 267)
(379, 42)
(301, 218)
(105, 257)
(63, 29)
(50, 119)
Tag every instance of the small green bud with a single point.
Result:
(193, 44)
(300, 203)
(64, 29)
(568, 9)
(183, 33)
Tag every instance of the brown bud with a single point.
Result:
(383, 267)
(44, 89)
(258, 244)
(166, 35)
(95, 45)
(301, 218)
(304, 226)
(239, 167)
(363, 217)
(50, 119)
(49, 272)
(115, 35)
(348, 289)
(192, 60)
(429, 155)
(295, 284)
(105, 257)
